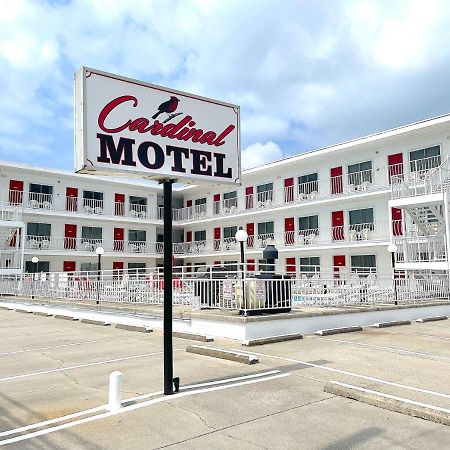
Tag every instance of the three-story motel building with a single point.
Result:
(327, 211)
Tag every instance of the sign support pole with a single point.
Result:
(168, 347)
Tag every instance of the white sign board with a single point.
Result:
(127, 127)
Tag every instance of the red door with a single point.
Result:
(119, 204)
(69, 266)
(70, 236)
(397, 227)
(337, 186)
(338, 262)
(15, 192)
(188, 236)
(189, 203)
(216, 204)
(13, 238)
(251, 234)
(289, 230)
(290, 266)
(118, 239)
(337, 223)
(395, 165)
(250, 265)
(71, 199)
(288, 190)
(217, 238)
(117, 268)
(249, 197)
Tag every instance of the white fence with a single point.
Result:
(229, 290)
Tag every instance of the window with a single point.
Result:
(159, 238)
(308, 183)
(41, 189)
(265, 228)
(39, 229)
(361, 218)
(231, 266)
(264, 192)
(42, 266)
(200, 235)
(200, 201)
(230, 199)
(308, 225)
(90, 234)
(89, 267)
(425, 158)
(93, 202)
(137, 235)
(360, 173)
(136, 268)
(229, 232)
(138, 204)
(310, 266)
(363, 263)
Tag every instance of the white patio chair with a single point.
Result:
(352, 235)
(46, 205)
(364, 235)
(45, 244)
(351, 188)
(33, 243)
(88, 209)
(98, 210)
(33, 204)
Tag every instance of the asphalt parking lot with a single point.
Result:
(54, 386)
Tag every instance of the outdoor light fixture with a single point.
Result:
(99, 251)
(392, 249)
(241, 237)
(35, 261)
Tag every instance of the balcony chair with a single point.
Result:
(45, 244)
(88, 209)
(34, 204)
(312, 195)
(310, 238)
(301, 196)
(88, 246)
(363, 186)
(33, 243)
(364, 234)
(98, 210)
(352, 235)
(351, 188)
(46, 205)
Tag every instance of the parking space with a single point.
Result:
(50, 368)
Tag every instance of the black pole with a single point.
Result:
(393, 277)
(99, 267)
(168, 350)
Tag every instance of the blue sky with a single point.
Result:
(306, 74)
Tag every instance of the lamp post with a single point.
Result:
(241, 236)
(392, 249)
(35, 261)
(99, 251)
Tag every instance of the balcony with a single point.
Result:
(328, 188)
(17, 201)
(427, 176)
(64, 244)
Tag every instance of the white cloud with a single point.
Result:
(304, 75)
(257, 154)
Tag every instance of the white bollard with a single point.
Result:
(115, 391)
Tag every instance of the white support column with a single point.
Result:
(447, 230)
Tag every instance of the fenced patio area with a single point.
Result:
(218, 288)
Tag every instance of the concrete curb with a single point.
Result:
(63, 317)
(390, 402)
(394, 323)
(192, 336)
(139, 329)
(95, 322)
(41, 313)
(431, 319)
(331, 331)
(222, 354)
(23, 311)
(272, 339)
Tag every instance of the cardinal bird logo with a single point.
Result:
(168, 107)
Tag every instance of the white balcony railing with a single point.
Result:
(428, 177)
(421, 249)
(40, 201)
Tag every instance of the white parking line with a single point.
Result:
(79, 366)
(57, 346)
(138, 406)
(392, 349)
(353, 374)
